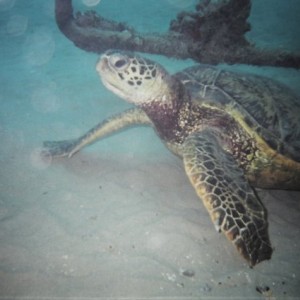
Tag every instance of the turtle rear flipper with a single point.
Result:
(231, 202)
(59, 148)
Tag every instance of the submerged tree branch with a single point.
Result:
(209, 35)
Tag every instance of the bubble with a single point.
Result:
(44, 99)
(156, 241)
(91, 3)
(16, 25)
(67, 197)
(40, 159)
(7, 4)
(182, 3)
(39, 47)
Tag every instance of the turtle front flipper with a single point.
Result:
(231, 202)
(68, 148)
(59, 148)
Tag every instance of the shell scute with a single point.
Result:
(268, 107)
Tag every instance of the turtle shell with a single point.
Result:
(267, 106)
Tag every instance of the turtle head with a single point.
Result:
(133, 78)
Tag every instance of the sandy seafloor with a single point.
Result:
(119, 219)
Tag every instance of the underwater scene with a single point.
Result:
(149, 149)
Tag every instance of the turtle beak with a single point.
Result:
(107, 75)
(102, 64)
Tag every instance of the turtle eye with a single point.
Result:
(120, 63)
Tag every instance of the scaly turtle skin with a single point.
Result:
(233, 132)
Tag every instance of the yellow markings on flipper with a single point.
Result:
(130, 117)
(264, 166)
(68, 148)
(232, 204)
(269, 168)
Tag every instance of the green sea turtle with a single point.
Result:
(233, 131)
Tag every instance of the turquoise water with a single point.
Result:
(119, 219)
